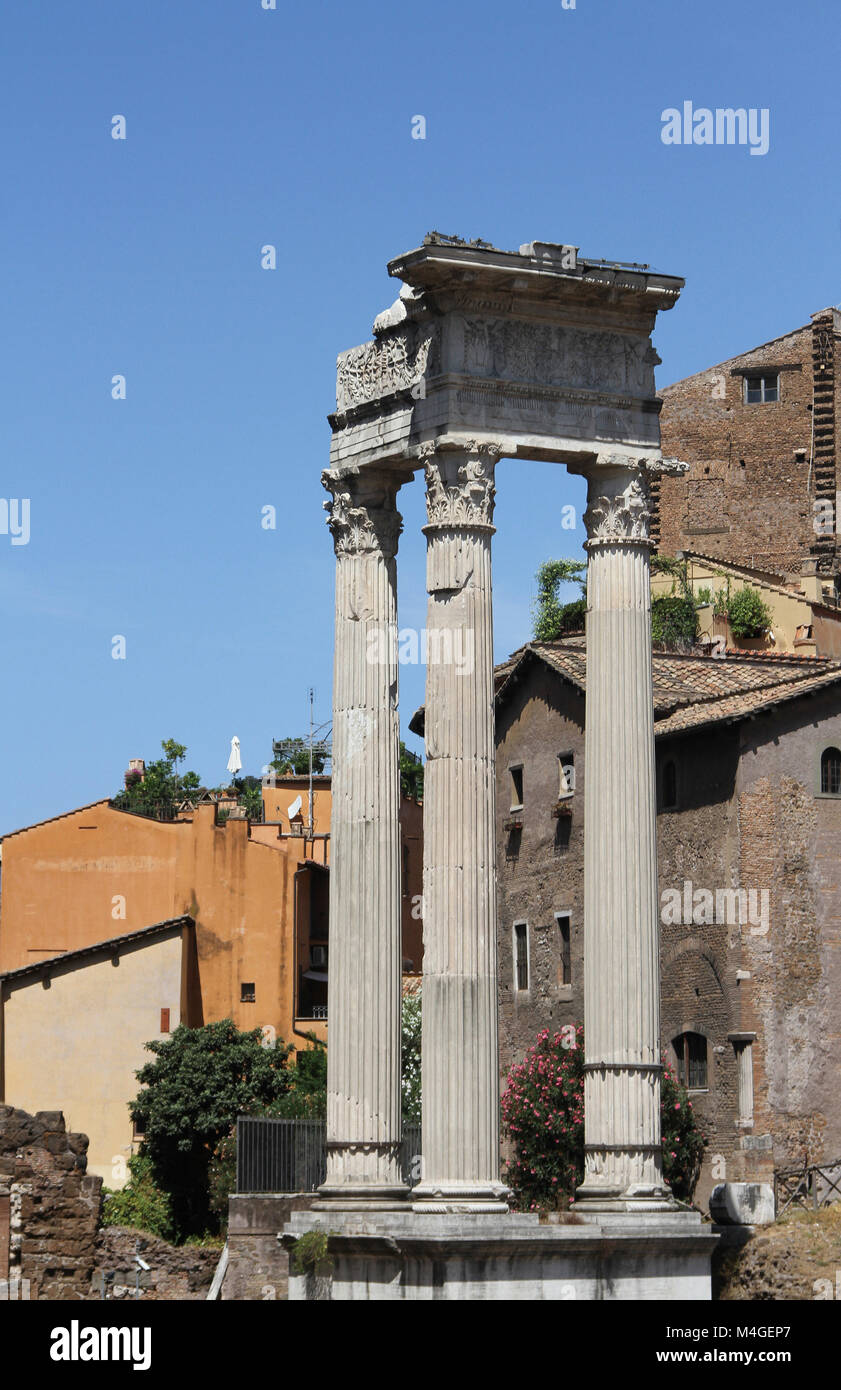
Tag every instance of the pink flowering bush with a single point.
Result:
(543, 1118)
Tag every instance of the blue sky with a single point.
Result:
(248, 126)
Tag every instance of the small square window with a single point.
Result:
(247, 993)
(760, 390)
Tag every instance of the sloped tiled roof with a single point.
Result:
(689, 690)
(111, 943)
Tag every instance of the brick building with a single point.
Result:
(759, 432)
(749, 792)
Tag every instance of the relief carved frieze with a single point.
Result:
(397, 360)
(554, 355)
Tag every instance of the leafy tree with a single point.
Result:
(292, 756)
(543, 1118)
(164, 787)
(551, 617)
(199, 1081)
(748, 613)
(410, 1079)
(411, 773)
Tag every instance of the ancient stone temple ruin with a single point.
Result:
(488, 354)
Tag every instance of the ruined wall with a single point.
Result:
(54, 1206)
(182, 1272)
(748, 494)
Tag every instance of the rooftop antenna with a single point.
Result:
(312, 699)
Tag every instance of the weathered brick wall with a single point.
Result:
(54, 1205)
(747, 497)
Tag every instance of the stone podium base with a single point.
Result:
(420, 1255)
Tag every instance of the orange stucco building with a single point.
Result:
(257, 892)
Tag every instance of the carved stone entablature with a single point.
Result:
(557, 355)
(363, 520)
(674, 468)
(619, 509)
(459, 483)
(396, 361)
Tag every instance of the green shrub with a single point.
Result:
(543, 1118)
(747, 613)
(310, 1255)
(141, 1203)
(674, 620)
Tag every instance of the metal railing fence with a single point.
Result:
(278, 1155)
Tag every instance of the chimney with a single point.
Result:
(136, 771)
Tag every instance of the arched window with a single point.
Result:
(669, 797)
(831, 772)
(691, 1053)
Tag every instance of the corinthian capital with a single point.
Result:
(362, 515)
(618, 507)
(460, 483)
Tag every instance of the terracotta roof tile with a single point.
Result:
(692, 690)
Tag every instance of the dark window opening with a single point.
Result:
(669, 786)
(691, 1053)
(521, 954)
(566, 958)
(247, 993)
(831, 772)
(312, 945)
(566, 775)
(516, 788)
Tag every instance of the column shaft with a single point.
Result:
(364, 1000)
(460, 1068)
(621, 925)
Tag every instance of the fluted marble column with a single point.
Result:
(623, 1166)
(460, 1066)
(364, 992)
